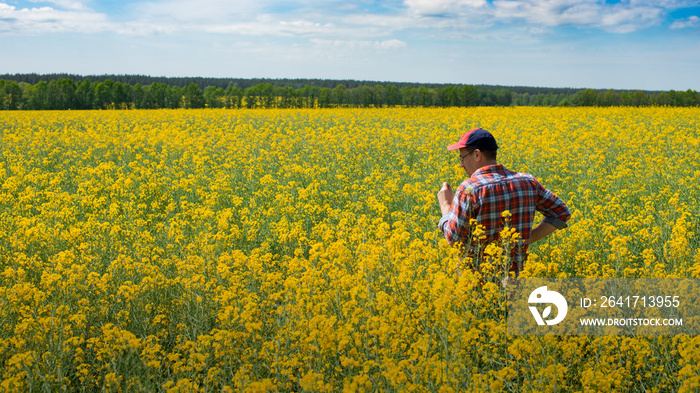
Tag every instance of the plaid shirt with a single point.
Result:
(491, 190)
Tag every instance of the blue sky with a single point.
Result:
(621, 44)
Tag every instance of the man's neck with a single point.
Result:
(488, 163)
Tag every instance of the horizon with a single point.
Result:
(569, 44)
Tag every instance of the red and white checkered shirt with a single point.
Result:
(490, 191)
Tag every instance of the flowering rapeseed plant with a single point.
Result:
(297, 250)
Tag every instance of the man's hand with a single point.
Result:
(445, 197)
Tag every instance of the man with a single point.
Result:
(490, 190)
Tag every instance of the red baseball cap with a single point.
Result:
(477, 138)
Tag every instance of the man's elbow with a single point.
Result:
(450, 240)
(557, 222)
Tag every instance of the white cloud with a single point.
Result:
(392, 44)
(442, 7)
(547, 12)
(210, 11)
(250, 18)
(265, 25)
(665, 4)
(689, 22)
(329, 20)
(620, 18)
(144, 28)
(627, 20)
(50, 20)
(69, 4)
(360, 44)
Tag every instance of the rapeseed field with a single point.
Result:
(298, 250)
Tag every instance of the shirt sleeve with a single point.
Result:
(455, 224)
(553, 209)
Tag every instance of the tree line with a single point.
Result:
(65, 93)
(245, 83)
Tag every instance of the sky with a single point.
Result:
(600, 44)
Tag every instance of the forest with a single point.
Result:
(65, 91)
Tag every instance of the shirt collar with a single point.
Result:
(496, 168)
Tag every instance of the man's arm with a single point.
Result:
(555, 212)
(456, 213)
(445, 197)
(540, 231)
